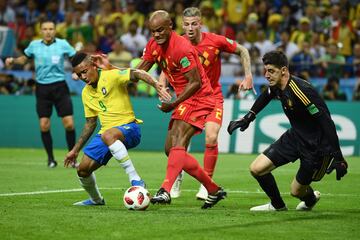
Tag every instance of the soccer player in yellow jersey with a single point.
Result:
(105, 97)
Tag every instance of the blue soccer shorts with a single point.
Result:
(99, 151)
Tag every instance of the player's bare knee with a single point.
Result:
(211, 138)
(69, 127)
(108, 138)
(254, 170)
(83, 173)
(44, 126)
(295, 193)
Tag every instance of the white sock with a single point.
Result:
(120, 153)
(89, 184)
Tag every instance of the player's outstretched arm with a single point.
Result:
(89, 128)
(258, 105)
(138, 74)
(242, 123)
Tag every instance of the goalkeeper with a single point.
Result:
(312, 137)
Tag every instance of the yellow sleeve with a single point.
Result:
(86, 98)
(122, 76)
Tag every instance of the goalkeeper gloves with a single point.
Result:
(242, 123)
(339, 164)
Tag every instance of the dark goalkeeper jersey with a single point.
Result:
(307, 112)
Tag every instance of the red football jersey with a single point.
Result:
(209, 50)
(175, 58)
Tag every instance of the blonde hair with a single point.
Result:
(192, 12)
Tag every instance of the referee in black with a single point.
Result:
(51, 89)
(312, 137)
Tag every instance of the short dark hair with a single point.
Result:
(78, 58)
(47, 20)
(276, 58)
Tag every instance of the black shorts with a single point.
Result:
(288, 148)
(57, 94)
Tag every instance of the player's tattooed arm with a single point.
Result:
(247, 83)
(88, 129)
(138, 74)
(90, 125)
(145, 65)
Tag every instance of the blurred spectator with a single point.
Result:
(263, 44)
(317, 49)
(288, 22)
(131, 14)
(352, 68)
(7, 84)
(263, 13)
(105, 16)
(256, 62)
(177, 17)
(241, 39)
(79, 33)
(119, 56)
(288, 47)
(332, 90)
(312, 14)
(343, 33)
(334, 15)
(230, 65)
(252, 27)
(302, 62)
(53, 12)
(133, 40)
(236, 12)
(303, 33)
(62, 28)
(26, 87)
(19, 27)
(333, 62)
(325, 24)
(274, 29)
(28, 37)
(356, 93)
(80, 8)
(31, 12)
(107, 41)
(209, 18)
(7, 14)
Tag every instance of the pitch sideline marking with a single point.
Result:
(184, 190)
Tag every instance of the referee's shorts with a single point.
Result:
(54, 94)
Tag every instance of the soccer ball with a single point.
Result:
(136, 198)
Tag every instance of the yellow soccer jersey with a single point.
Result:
(110, 100)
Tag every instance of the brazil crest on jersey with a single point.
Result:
(110, 100)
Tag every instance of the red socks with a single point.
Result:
(179, 159)
(175, 164)
(210, 158)
(193, 168)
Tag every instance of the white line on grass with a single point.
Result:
(184, 190)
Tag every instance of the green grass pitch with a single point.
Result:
(36, 203)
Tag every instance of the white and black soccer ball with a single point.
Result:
(136, 198)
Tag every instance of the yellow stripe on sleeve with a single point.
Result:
(299, 93)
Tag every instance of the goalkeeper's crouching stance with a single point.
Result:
(312, 137)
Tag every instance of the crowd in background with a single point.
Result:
(321, 38)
